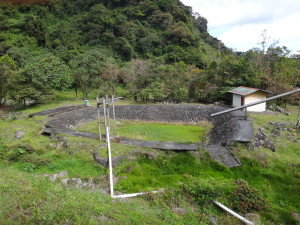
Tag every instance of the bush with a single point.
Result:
(246, 199)
(203, 192)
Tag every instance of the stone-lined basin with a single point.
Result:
(228, 128)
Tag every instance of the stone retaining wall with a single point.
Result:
(225, 128)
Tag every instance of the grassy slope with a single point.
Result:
(28, 199)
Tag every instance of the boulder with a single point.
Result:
(19, 134)
(104, 162)
(54, 177)
(65, 181)
(261, 139)
(213, 221)
(180, 211)
(270, 145)
(279, 109)
(276, 132)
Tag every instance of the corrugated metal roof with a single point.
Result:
(243, 90)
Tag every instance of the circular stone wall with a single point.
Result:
(227, 127)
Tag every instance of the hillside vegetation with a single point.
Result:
(144, 50)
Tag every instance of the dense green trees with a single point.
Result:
(8, 75)
(156, 50)
(86, 69)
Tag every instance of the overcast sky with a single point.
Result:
(239, 23)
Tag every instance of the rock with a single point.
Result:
(99, 159)
(63, 144)
(60, 145)
(296, 216)
(66, 144)
(261, 139)
(19, 134)
(276, 132)
(104, 218)
(279, 109)
(58, 175)
(261, 143)
(52, 145)
(270, 145)
(105, 191)
(104, 162)
(180, 211)
(213, 220)
(287, 113)
(263, 160)
(78, 183)
(116, 161)
(260, 134)
(253, 217)
(65, 181)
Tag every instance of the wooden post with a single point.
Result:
(107, 112)
(298, 119)
(114, 114)
(99, 121)
(104, 113)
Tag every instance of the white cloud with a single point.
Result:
(239, 23)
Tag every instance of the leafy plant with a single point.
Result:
(202, 192)
(15, 154)
(246, 199)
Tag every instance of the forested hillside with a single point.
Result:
(144, 50)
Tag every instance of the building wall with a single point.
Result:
(253, 98)
(236, 100)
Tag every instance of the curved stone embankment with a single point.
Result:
(228, 128)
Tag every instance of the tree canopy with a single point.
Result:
(156, 50)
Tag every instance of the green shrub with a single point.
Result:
(202, 192)
(246, 199)
(14, 154)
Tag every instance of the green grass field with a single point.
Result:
(164, 132)
(181, 133)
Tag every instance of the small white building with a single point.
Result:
(245, 95)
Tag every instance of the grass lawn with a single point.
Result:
(181, 133)
(164, 132)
